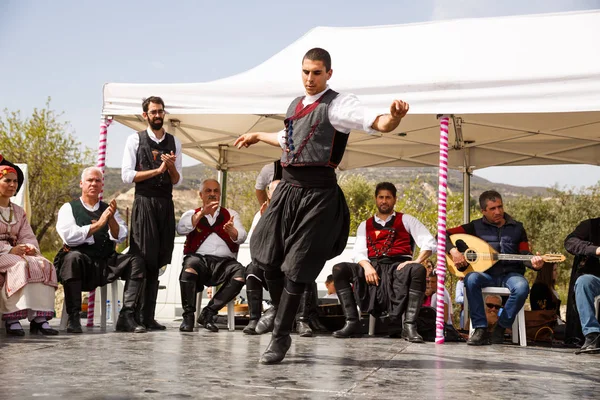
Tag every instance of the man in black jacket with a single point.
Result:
(584, 243)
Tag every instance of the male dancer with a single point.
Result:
(308, 220)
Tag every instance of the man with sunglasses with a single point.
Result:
(384, 274)
(152, 160)
(507, 236)
(493, 304)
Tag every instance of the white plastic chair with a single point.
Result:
(114, 289)
(230, 311)
(519, 334)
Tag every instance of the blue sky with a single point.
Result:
(68, 49)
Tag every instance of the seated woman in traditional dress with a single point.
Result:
(27, 280)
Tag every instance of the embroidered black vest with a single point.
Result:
(103, 247)
(310, 139)
(148, 158)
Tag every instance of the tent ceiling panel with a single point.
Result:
(511, 105)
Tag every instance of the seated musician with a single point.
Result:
(27, 280)
(385, 276)
(90, 229)
(507, 236)
(214, 235)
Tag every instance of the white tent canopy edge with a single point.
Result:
(522, 91)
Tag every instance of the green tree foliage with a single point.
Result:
(241, 195)
(360, 196)
(54, 158)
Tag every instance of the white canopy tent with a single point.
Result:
(522, 90)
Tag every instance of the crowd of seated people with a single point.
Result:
(384, 267)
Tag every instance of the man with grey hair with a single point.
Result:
(214, 235)
(507, 236)
(90, 229)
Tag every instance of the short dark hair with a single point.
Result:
(329, 278)
(488, 195)
(385, 186)
(152, 99)
(319, 54)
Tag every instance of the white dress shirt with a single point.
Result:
(213, 245)
(345, 113)
(130, 155)
(413, 226)
(74, 235)
(253, 226)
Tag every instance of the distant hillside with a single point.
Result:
(186, 195)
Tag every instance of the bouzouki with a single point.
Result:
(481, 256)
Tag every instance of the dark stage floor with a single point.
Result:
(223, 365)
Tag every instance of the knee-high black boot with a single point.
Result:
(313, 315)
(72, 290)
(224, 295)
(352, 327)
(149, 308)
(302, 318)
(254, 310)
(131, 296)
(267, 321)
(188, 303)
(281, 340)
(409, 329)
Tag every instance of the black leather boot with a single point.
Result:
(131, 296)
(206, 319)
(352, 327)
(409, 329)
(479, 338)
(498, 334)
(72, 290)
(591, 344)
(281, 340)
(254, 310)
(313, 314)
(188, 302)
(74, 323)
(149, 307)
(302, 320)
(267, 321)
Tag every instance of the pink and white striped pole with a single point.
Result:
(101, 163)
(441, 239)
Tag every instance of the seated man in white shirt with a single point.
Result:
(214, 235)
(90, 228)
(385, 277)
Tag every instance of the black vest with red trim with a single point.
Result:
(390, 240)
(310, 139)
(203, 229)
